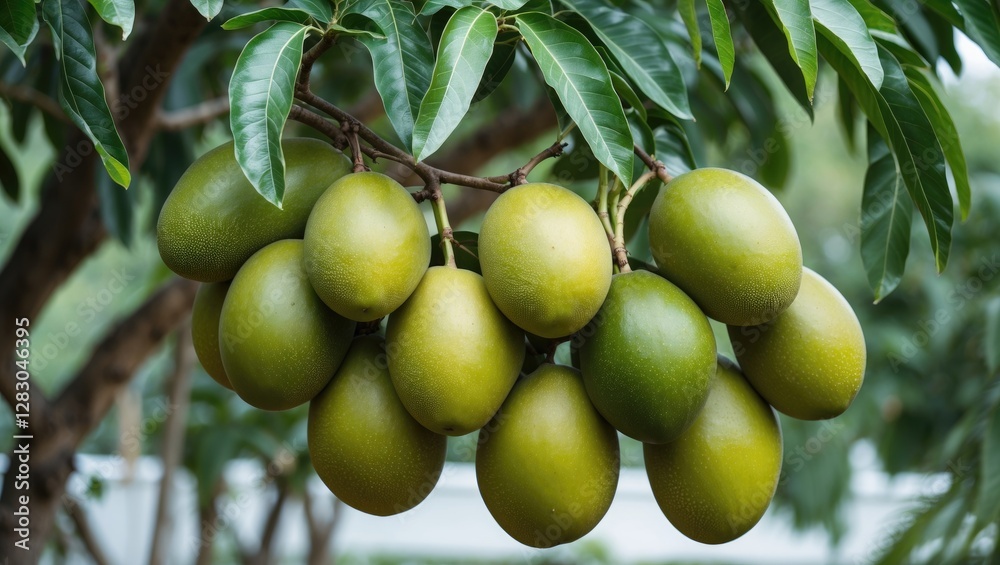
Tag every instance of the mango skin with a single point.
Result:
(280, 345)
(647, 358)
(727, 242)
(809, 362)
(367, 246)
(547, 464)
(205, 329)
(545, 258)
(364, 445)
(214, 220)
(716, 481)
(452, 354)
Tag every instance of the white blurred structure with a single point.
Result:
(453, 521)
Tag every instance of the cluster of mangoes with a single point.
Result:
(287, 290)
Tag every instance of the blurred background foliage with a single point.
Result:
(931, 396)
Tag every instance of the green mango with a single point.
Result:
(545, 259)
(214, 220)
(367, 246)
(727, 242)
(280, 344)
(647, 357)
(453, 356)
(547, 464)
(809, 362)
(715, 481)
(205, 329)
(363, 443)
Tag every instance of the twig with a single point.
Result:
(381, 147)
(195, 115)
(653, 165)
(441, 218)
(310, 56)
(320, 124)
(179, 394)
(34, 97)
(602, 205)
(621, 254)
(84, 531)
(351, 132)
(519, 176)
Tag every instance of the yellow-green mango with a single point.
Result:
(205, 329)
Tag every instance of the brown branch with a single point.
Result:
(179, 394)
(34, 97)
(520, 175)
(263, 554)
(513, 128)
(383, 148)
(195, 115)
(653, 165)
(78, 515)
(83, 402)
(320, 533)
(351, 131)
(309, 58)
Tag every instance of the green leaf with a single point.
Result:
(989, 490)
(991, 337)
(886, 214)
(923, 164)
(341, 30)
(773, 44)
(465, 49)
(641, 133)
(640, 51)
(900, 49)
(17, 18)
(723, 37)
(690, 16)
(319, 9)
(796, 22)
(847, 112)
(874, 17)
(563, 119)
(19, 48)
(981, 26)
(574, 69)
(432, 7)
(260, 94)
(844, 27)
(507, 4)
(946, 9)
(946, 132)
(293, 15)
(207, 8)
(403, 63)
(897, 115)
(81, 93)
(9, 178)
(120, 13)
(497, 68)
(672, 146)
(116, 209)
(466, 247)
(627, 94)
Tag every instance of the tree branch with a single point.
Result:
(653, 165)
(263, 554)
(82, 404)
(195, 115)
(34, 97)
(179, 393)
(382, 148)
(78, 515)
